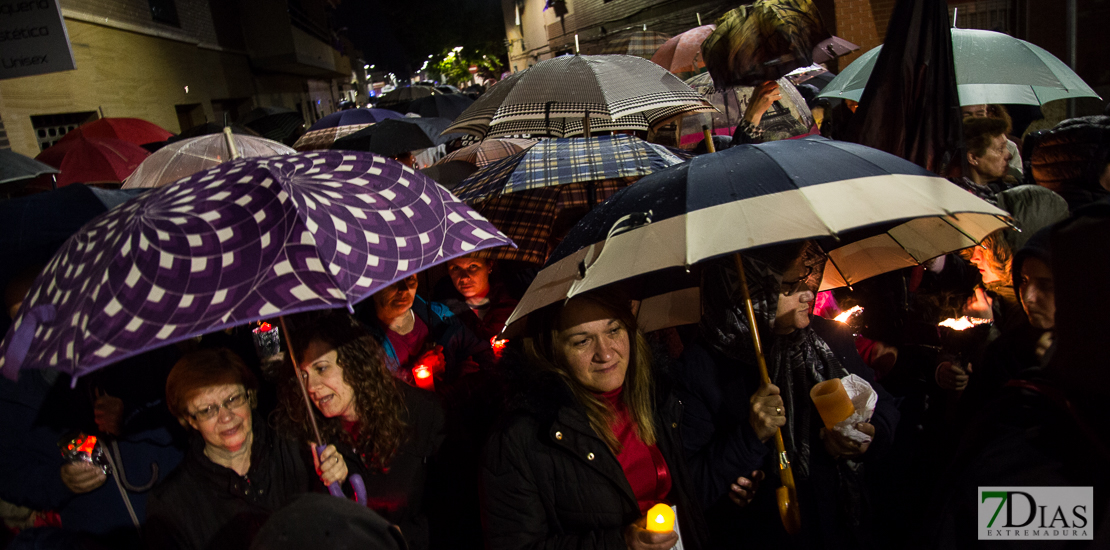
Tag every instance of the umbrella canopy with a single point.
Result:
(209, 128)
(15, 167)
(131, 130)
(276, 123)
(682, 53)
(394, 137)
(888, 212)
(832, 48)
(350, 117)
(763, 41)
(325, 137)
(399, 99)
(448, 106)
(788, 117)
(247, 240)
(449, 174)
(185, 158)
(602, 87)
(637, 42)
(991, 67)
(84, 160)
(567, 160)
(488, 151)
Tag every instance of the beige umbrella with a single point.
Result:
(187, 157)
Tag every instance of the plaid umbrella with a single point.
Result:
(325, 137)
(682, 53)
(637, 42)
(763, 41)
(247, 240)
(485, 152)
(276, 123)
(601, 86)
(563, 161)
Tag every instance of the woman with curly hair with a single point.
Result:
(385, 429)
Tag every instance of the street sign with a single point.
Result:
(33, 39)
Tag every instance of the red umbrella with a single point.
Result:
(682, 53)
(92, 160)
(131, 130)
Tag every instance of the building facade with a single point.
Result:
(181, 63)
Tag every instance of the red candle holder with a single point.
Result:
(423, 376)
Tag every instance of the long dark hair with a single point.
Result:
(378, 400)
(541, 346)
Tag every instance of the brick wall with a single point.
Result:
(855, 23)
(194, 15)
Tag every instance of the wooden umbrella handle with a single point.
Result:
(787, 495)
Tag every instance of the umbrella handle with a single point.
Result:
(355, 480)
(787, 495)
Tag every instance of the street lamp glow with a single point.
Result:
(366, 66)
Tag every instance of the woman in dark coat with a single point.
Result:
(237, 471)
(592, 443)
(731, 417)
(384, 428)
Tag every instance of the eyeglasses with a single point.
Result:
(786, 288)
(212, 411)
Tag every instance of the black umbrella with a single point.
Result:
(209, 128)
(910, 107)
(393, 137)
(399, 99)
(450, 173)
(276, 123)
(15, 167)
(448, 106)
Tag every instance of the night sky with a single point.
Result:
(399, 35)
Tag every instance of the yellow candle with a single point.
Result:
(832, 401)
(660, 519)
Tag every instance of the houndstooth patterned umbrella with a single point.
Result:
(247, 240)
(564, 161)
(601, 86)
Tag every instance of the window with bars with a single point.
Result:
(50, 128)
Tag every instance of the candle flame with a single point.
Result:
(963, 323)
(498, 345)
(659, 518)
(845, 315)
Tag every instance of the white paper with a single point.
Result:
(677, 546)
(863, 398)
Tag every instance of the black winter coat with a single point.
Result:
(203, 505)
(550, 482)
(399, 494)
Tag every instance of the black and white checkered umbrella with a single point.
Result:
(601, 87)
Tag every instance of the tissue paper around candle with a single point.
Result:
(660, 519)
(832, 402)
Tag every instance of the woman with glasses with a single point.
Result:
(237, 470)
(731, 417)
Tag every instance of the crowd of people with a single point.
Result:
(569, 432)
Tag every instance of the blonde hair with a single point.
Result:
(541, 346)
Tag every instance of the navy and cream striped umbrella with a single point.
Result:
(887, 212)
(248, 240)
(600, 87)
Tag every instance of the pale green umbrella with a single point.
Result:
(991, 67)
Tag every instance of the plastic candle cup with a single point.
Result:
(423, 377)
(660, 519)
(832, 402)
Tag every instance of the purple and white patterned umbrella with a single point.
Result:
(248, 240)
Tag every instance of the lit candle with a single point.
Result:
(660, 519)
(846, 315)
(423, 376)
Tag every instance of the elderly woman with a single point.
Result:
(592, 443)
(988, 158)
(731, 417)
(385, 429)
(237, 471)
(417, 332)
(481, 305)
